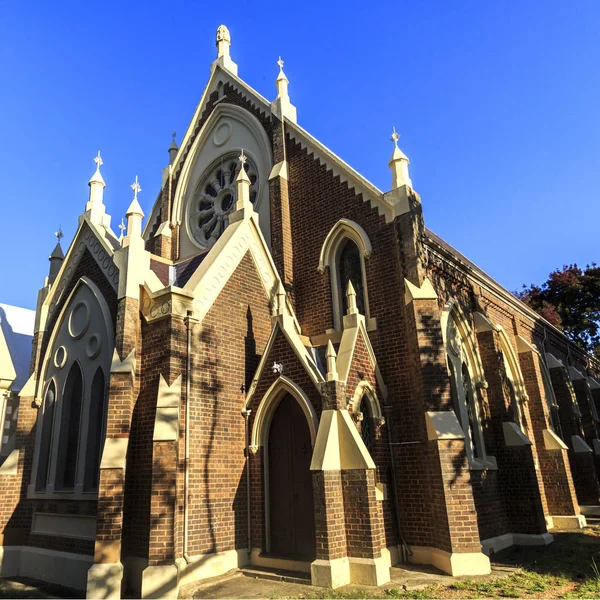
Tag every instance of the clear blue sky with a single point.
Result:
(497, 103)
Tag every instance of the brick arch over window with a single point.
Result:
(75, 372)
(365, 392)
(336, 243)
(269, 403)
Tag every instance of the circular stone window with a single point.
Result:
(215, 198)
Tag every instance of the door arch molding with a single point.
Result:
(268, 405)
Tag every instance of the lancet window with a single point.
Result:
(344, 252)
(72, 416)
(461, 358)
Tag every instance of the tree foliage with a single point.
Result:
(570, 300)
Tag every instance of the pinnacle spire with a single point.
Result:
(57, 257)
(173, 149)
(282, 106)
(134, 215)
(94, 208)
(330, 357)
(399, 164)
(97, 176)
(351, 298)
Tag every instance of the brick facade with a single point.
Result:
(416, 488)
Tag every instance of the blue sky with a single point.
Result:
(496, 101)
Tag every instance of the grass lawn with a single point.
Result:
(568, 568)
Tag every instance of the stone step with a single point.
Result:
(276, 575)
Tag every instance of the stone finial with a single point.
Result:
(331, 357)
(282, 82)
(223, 42)
(173, 149)
(122, 228)
(399, 164)
(351, 297)
(95, 205)
(281, 106)
(134, 213)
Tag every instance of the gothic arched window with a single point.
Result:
(71, 422)
(462, 359)
(344, 253)
(469, 396)
(514, 379)
(366, 425)
(97, 418)
(46, 436)
(350, 269)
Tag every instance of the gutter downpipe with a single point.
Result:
(405, 549)
(246, 414)
(186, 484)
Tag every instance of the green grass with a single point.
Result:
(568, 568)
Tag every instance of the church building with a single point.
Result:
(282, 366)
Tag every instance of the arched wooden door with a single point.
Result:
(291, 512)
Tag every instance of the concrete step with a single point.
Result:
(276, 575)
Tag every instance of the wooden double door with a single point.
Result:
(291, 508)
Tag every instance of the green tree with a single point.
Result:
(570, 300)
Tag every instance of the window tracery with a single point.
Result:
(72, 416)
(344, 252)
(462, 360)
(215, 198)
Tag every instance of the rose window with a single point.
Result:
(216, 196)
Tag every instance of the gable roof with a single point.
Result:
(362, 186)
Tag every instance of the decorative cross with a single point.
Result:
(98, 160)
(174, 134)
(242, 158)
(122, 227)
(135, 186)
(395, 136)
(59, 234)
(280, 63)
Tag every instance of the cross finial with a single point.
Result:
(395, 136)
(242, 158)
(135, 186)
(98, 160)
(280, 63)
(173, 135)
(59, 234)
